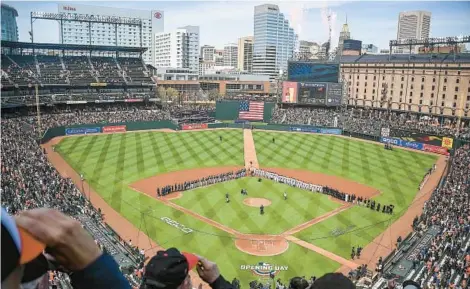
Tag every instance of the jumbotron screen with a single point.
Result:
(312, 93)
(312, 72)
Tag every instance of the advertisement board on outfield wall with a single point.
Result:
(336, 131)
(194, 126)
(114, 128)
(414, 145)
(436, 149)
(82, 130)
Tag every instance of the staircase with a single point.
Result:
(121, 72)
(38, 69)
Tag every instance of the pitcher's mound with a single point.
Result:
(256, 202)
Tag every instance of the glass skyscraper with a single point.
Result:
(273, 42)
(9, 26)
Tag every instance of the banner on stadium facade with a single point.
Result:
(114, 128)
(82, 130)
(194, 126)
(447, 142)
(134, 100)
(104, 101)
(98, 84)
(436, 149)
(75, 101)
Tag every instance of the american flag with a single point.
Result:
(251, 110)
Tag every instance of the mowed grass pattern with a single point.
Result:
(111, 162)
(300, 206)
(397, 174)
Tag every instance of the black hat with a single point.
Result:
(333, 280)
(168, 269)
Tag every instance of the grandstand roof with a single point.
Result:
(54, 46)
(407, 58)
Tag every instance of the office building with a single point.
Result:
(207, 53)
(369, 49)
(75, 32)
(343, 35)
(351, 47)
(178, 48)
(230, 55)
(273, 42)
(219, 57)
(413, 25)
(245, 54)
(9, 25)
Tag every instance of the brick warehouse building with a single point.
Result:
(436, 84)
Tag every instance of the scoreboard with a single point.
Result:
(314, 93)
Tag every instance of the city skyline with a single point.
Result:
(307, 19)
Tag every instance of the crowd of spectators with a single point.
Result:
(369, 121)
(192, 113)
(30, 181)
(447, 259)
(111, 113)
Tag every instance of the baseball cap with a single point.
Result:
(18, 246)
(333, 280)
(168, 269)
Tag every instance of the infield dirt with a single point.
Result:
(260, 245)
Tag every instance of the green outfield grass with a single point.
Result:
(397, 174)
(300, 207)
(111, 162)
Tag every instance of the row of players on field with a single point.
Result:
(213, 179)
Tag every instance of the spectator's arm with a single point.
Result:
(102, 273)
(221, 283)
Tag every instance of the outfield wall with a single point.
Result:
(106, 128)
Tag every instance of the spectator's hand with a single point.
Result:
(65, 239)
(207, 270)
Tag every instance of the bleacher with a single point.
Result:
(134, 71)
(79, 70)
(51, 70)
(20, 69)
(106, 70)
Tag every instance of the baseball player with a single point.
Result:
(285, 195)
(227, 199)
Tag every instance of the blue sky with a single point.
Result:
(225, 21)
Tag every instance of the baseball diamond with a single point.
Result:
(125, 170)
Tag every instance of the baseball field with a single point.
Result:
(309, 233)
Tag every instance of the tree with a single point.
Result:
(161, 91)
(213, 94)
(172, 94)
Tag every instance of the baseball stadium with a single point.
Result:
(277, 188)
